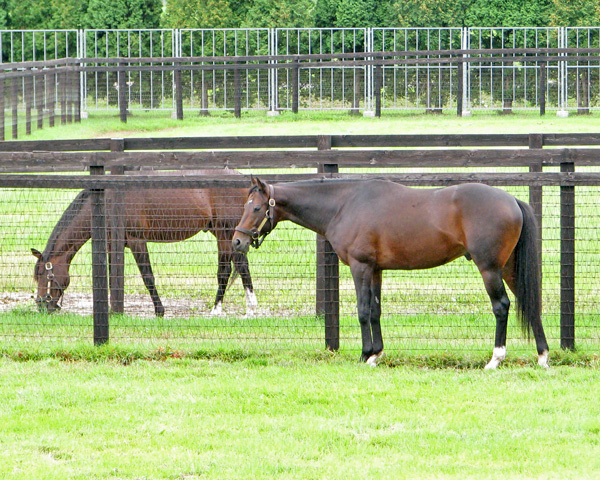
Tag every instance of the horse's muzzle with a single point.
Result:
(241, 242)
(47, 306)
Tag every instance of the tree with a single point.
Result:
(508, 13)
(200, 14)
(280, 14)
(111, 14)
(575, 13)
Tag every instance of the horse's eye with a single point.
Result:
(257, 209)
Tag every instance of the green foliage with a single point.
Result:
(29, 14)
(574, 13)
(200, 14)
(280, 14)
(430, 13)
(110, 14)
(508, 13)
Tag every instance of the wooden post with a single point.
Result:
(459, 89)
(122, 94)
(237, 93)
(116, 225)
(328, 289)
(99, 277)
(63, 98)
(542, 89)
(69, 93)
(357, 92)
(2, 106)
(567, 261)
(178, 92)
(77, 95)
(378, 85)
(295, 85)
(15, 105)
(536, 141)
(28, 94)
(39, 100)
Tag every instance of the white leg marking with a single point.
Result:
(251, 303)
(217, 309)
(543, 359)
(372, 360)
(498, 355)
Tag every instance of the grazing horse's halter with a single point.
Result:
(254, 233)
(50, 280)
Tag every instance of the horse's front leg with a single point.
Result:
(240, 262)
(223, 271)
(363, 278)
(142, 258)
(375, 319)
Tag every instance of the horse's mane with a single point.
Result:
(66, 220)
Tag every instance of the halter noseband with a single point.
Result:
(50, 280)
(255, 233)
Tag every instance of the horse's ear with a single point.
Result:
(259, 183)
(36, 253)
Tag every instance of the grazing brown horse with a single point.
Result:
(150, 215)
(375, 225)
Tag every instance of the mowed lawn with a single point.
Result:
(290, 417)
(293, 414)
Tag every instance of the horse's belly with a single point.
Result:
(417, 254)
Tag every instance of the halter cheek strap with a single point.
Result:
(255, 233)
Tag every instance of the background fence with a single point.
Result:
(428, 85)
(301, 298)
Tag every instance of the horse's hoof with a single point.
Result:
(159, 312)
(373, 359)
(543, 359)
(497, 357)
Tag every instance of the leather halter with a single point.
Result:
(50, 280)
(255, 233)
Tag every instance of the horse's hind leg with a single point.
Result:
(223, 273)
(538, 330)
(494, 286)
(240, 261)
(142, 258)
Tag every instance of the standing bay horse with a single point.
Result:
(376, 225)
(150, 215)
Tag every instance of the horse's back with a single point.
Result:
(398, 227)
(174, 214)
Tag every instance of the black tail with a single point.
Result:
(528, 287)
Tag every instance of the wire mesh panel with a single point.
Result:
(207, 90)
(37, 45)
(179, 253)
(583, 77)
(145, 90)
(321, 88)
(431, 86)
(515, 84)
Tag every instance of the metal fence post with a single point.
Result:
(328, 272)
(567, 260)
(99, 268)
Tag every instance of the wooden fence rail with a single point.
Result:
(329, 160)
(43, 85)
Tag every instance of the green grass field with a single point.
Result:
(195, 397)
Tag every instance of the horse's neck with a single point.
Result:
(311, 205)
(68, 241)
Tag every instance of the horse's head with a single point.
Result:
(257, 220)
(52, 277)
